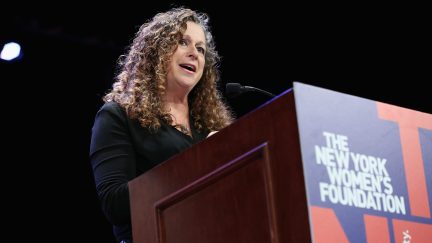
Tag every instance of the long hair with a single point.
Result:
(141, 82)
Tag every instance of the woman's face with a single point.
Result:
(187, 63)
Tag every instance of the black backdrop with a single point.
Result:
(50, 96)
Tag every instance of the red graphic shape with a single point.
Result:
(326, 226)
(409, 121)
(406, 231)
(376, 229)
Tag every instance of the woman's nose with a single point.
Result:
(193, 52)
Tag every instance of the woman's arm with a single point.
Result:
(113, 162)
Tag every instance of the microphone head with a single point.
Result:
(233, 89)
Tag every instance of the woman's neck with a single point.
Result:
(179, 111)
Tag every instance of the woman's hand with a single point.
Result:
(211, 133)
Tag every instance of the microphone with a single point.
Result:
(235, 89)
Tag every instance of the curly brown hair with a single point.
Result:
(141, 82)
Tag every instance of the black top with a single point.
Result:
(120, 150)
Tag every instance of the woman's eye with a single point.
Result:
(201, 50)
(183, 42)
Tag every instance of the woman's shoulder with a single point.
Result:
(113, 110)
(111, 107)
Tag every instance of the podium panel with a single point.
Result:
(227, 205)
(368, 168)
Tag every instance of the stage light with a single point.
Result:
(10, 51)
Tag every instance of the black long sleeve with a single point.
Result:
(113, 162)
(120, 150)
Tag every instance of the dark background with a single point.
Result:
(50, 95)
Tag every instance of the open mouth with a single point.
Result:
(188, 67)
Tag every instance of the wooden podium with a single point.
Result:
(243, 184)
(310, 165)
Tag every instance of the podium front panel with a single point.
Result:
(368, 168)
